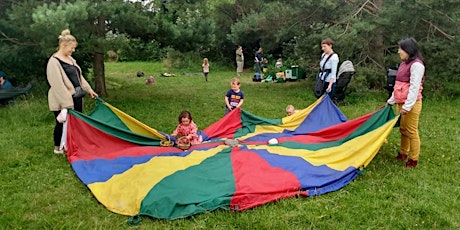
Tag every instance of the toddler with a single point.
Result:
(290, 110)
(187, 128)
(205, 67)
(234, 97)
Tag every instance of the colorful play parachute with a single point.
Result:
(316, 151)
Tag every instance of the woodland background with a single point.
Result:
(181, 33)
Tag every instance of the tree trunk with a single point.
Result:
(98, 59)
(99, 74)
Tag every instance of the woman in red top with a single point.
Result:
(407, 95)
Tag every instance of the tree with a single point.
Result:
(88, 21)
(185, 26)
(365, 31)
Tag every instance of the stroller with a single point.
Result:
(346, 72)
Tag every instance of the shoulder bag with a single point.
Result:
(318, 89)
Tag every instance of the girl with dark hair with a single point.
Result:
(187, 128)
(407, 95)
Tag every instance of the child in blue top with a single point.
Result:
(234, 97)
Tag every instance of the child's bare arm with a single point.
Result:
(227, 103)
(241, 103)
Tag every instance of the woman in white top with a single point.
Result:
(328, 64)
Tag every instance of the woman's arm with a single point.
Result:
(334, 61)
(84, 84)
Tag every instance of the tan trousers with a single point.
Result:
(410, 140)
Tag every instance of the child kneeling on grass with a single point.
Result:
(187, 128)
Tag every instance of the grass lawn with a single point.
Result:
(38, 189)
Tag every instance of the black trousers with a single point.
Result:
(57, 134)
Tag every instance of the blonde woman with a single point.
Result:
(67, 84)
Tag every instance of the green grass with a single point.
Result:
(38, 189)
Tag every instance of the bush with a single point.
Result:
(138, 50)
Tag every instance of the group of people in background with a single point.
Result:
(407, 94)
(65, 79)
(260, 63)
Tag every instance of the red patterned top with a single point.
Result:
(190, 131)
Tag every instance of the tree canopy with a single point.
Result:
(365, 32)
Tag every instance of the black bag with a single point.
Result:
(318, 89)
(257, 77)
(79, 92)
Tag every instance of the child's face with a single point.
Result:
(235, 86)
(185, 121)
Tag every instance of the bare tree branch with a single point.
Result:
(365, 6)
(448, 36)
(346, 28)
(15, 41)
(439, 12)
(367, 57)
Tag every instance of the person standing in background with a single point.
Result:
(329, 63)
(239, 61)
(258, 59)
(205, 67)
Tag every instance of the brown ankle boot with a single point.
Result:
(401, 157)
(411, 163)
